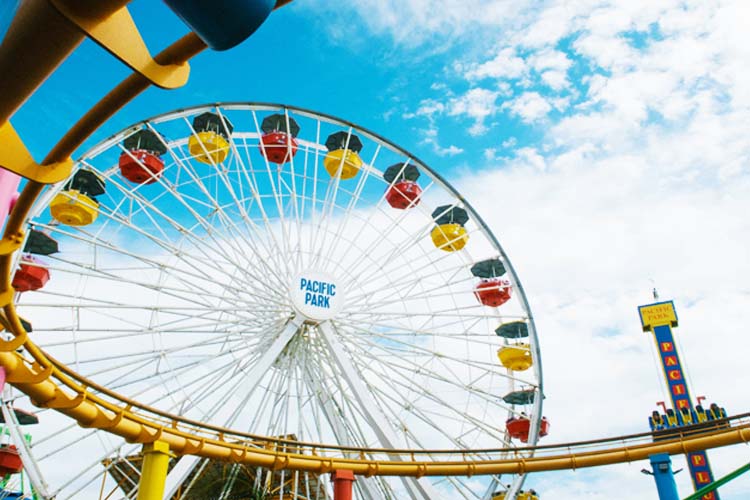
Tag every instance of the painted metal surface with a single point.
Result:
(661, 465)
(659, 318)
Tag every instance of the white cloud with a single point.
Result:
(529, 106)
(428, 108)
(477, 104)
(431, 138)
(506, 64)
(556, 80)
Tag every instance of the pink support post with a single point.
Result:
(8, 193)
(342, 484)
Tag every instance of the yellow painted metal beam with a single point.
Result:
(116, 32)
(49, 388)
(38, 40)
(15, 157)
(153, 471)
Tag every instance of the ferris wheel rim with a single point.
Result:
(434, 175)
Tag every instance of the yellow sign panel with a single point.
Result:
(662, 313)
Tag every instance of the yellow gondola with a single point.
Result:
(74, 208)
(515, 357)
(210, 143)
(345, 159)
(449, 237)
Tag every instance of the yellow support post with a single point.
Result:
(154, 471)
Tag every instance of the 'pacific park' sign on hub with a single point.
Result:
(316, 295)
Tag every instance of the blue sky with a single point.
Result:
(604, 141)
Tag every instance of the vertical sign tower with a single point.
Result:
(659, 318)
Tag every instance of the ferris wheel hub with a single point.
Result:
(316, 295)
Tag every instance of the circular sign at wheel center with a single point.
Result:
(316, 295)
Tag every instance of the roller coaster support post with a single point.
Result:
(342, 484)
(154, 471)
(664, 477)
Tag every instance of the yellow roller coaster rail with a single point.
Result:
(51, 384)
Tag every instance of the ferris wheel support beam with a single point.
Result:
(418, 489)
(187, 463)
(339, 430)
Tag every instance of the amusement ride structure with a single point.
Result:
(257, 294)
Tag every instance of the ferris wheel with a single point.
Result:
(280, 273)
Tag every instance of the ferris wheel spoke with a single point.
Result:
(425, 326)
(345, 430)
(174, 373)
(281, 262)
(455, 313)
(187, 464)
(436, 292)
(449, 275)
(376, 209)
(193, 294)
(365, 345)
(245, 217)
(433, 419)
(385, 343)
(411, 243)
(393, 223)
(218, 246)
(354, 199)
(180, 274)
(173, 326)
(135, 357)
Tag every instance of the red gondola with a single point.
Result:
(518, 427)
(142, 163)
(278, 142)
(10, 460)
(403, 194)
(140, 166)
(31, 276)
(278, 147)
(493, 292)
(404, 191)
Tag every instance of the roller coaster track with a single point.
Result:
(51, 384)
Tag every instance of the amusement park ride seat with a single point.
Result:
(210, 144)
(31, 275)
(404, 191)
(141, 161)
(516, 357)
(450, 234)
(522, 495)
(76, 204)
(519, 427)
(668, 426)
(343, 153)
(279, 140)
(10, 459)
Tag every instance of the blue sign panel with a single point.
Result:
(700, 469)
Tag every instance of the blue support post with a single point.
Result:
(664, 477)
